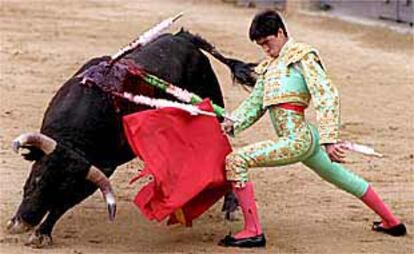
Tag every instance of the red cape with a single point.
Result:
(185, 154)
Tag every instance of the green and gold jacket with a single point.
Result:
(297, 75)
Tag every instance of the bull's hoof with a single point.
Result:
(16, 226)
(231, 216)
(38, 240)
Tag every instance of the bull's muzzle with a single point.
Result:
(17, 226)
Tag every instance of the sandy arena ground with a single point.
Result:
(43, 42)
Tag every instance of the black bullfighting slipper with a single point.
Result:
(249, 242)
(398, 230)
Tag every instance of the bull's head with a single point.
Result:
(54, 178)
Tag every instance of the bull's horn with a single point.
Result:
(41, 141)
(96, 176)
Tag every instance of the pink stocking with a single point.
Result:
(252, 227)
(373, 201)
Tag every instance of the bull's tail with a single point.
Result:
(241, 71)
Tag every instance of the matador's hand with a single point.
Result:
(336, 152)
(228, 126)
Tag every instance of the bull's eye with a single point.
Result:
(37, 179)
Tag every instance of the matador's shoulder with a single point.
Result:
(262, 66)
(297, 51)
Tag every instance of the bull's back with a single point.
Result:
(175, 59)
(85, 117)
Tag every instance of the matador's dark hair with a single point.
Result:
(266, 23)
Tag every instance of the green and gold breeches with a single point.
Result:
(297, 141)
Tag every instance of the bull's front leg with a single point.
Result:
(42, 236)
(230, 205)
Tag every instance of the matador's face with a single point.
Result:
(272, 44)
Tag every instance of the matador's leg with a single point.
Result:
(344, 179)
(268, 153)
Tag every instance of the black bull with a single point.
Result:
(83, 126)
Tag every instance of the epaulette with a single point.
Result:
(262, 66)
(297, 52)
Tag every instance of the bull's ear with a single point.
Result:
(32, 153)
